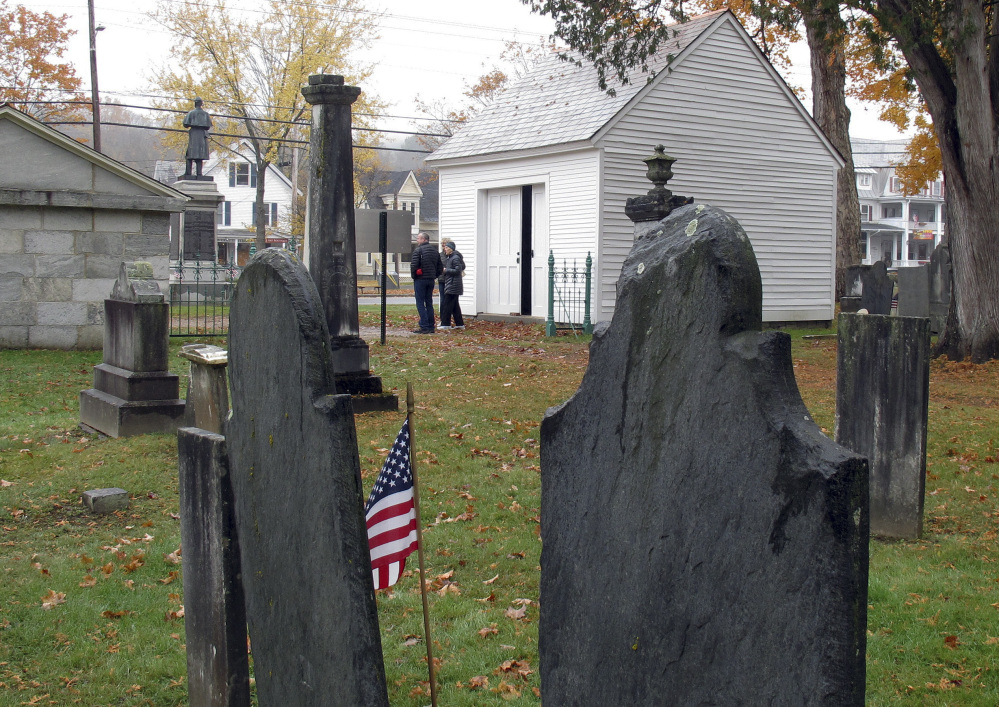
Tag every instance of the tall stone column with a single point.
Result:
(332, 250)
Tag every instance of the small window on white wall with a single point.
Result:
(865, 212)
(864, 180)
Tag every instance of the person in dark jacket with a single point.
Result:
(452, 287)
(425, 266)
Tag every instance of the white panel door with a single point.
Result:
(503, 235)
(539, 261)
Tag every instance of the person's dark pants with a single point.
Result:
(450, 307)
(424, 289)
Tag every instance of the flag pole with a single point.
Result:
(410, 406)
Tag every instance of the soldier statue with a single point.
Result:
(199, 123)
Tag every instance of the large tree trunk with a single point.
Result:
(260, 218)
(826, 33)
(963, 99)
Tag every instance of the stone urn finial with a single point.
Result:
(660, 201)
(660, 170)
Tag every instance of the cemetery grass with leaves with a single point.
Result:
(92, 611)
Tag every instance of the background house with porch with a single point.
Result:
(902, 230)
(550, 165)
(68, 217)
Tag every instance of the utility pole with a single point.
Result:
(95, 100)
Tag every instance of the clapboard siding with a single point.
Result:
(742, 145)
(571, 190)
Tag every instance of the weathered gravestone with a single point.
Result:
(296, 480)
(877, 289)
(331, 238)
(940, 287)
(207, 387)
(914, 292)
(854, 288)
(133, 391)
(882, 394)
(704, 542)
(218, 671)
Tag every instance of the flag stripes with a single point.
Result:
(390, 514)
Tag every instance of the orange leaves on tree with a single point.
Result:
(30, 69)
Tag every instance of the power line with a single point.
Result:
(240, 137)
(215, 102)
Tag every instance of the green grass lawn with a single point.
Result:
(91, 610)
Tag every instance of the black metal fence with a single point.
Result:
(200, 291)
(569, 296)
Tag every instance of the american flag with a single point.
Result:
(390, 514)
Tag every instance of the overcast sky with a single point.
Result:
(430, 48)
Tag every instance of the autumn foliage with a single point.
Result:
(30, 68)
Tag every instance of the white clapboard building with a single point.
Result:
(549, 166)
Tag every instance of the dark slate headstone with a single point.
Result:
(299, 504)
(914, 292)
(218, 671)
(940, 287)
(877, 289)
(704, 542)
(882, 394)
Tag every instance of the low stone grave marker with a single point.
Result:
(133, 391)
(704, 542)
(882, 398)
(298, 500)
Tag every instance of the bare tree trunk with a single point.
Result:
(258, 205)
(826, 33)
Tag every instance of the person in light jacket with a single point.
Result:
(425, 266)
(452, 287)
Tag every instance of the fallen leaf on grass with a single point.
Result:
(173, 558)
(88, 581)
(952, 642)
(516, 614)
(5, 483)
(53, 599)
(479, 681)
(490, 581)
(170, 577)
(178, 614)
(411, 640)
(488, 631)
(116, 614)
(520, 668)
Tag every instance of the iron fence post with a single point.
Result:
(587, 325)
(550, 321)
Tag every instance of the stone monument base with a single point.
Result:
(849, 304)
(365, 392)
(116, 417)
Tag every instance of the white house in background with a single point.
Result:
(235, 177)
(550, 165)
(901, 230)
(406, 190)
